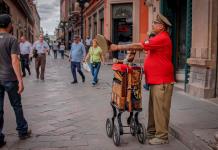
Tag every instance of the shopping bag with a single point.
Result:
(86, 67)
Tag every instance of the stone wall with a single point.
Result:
(202, 82)
(17, 17)
(20, 21)
(204, 47)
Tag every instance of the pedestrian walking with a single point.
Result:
(55, 49)
(96, 57)
(62, 49)
(25, 49)
(159, 73)
(77, 55)
(40, 48)
(88, 43)
(50, 47)
(10, 78)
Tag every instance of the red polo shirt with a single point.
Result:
(158, 65)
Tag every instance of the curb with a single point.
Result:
(188, 138)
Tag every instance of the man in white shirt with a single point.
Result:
(55, 49)
(25, 49)
(88, 43)
(62, 49)
(41, 47)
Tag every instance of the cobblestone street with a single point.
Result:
(63, 116)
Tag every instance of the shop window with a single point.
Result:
(101, 18)
(90, 27)
(95, 25)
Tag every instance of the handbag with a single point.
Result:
(86, 67)
(94, 64)
(35, 54)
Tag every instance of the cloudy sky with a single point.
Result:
(49, 11)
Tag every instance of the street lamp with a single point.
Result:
(82, 4)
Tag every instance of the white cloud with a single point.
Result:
(49, 11)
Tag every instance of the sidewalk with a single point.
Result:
(194, 121)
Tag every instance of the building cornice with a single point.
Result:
(26, 9)
(37, 13)
(93, 7)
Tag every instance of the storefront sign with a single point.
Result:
(122, 11)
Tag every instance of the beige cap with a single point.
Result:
(163, 20)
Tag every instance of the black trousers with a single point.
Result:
(25, 63)
(55, 54)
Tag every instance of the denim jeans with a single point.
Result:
(11, 87)
(76, 66)
(62, 54)
(95, 71)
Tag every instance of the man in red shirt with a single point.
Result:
(159, 74)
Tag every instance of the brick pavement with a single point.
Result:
(69, 117)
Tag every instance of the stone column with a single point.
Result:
(204, 49)
(136, 22)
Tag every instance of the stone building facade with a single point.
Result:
(203, 60)
(36, 28)
(94, 18)
(22, 16)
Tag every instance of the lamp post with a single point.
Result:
(47, 39)
(82, 4)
